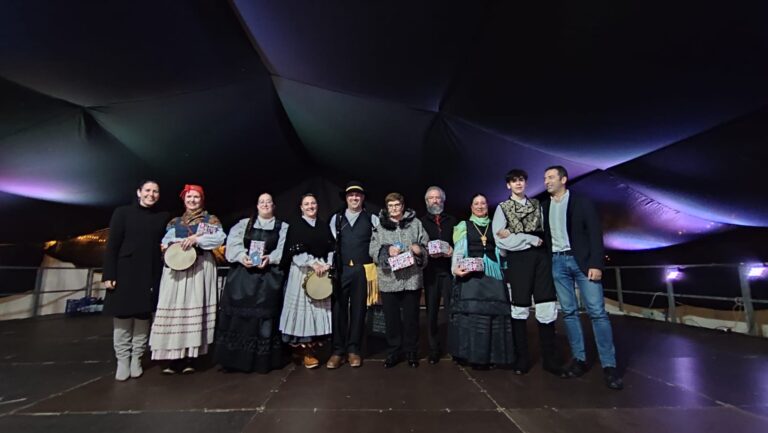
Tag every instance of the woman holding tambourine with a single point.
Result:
(306, 318)
(186, 310)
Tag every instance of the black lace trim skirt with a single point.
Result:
(480, 322)
(247, 333)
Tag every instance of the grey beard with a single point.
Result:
(435, 209)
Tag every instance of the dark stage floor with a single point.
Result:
(56, 375)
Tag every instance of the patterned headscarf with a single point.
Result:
(193, 217)
(188, 188)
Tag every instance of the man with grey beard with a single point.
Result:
(437, 274)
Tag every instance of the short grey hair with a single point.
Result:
(434, 187)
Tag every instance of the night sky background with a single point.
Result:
(659, 110)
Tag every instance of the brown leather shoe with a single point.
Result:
(354, 360)
(310, 361)
(334, 362)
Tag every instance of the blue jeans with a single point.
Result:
(566, 272)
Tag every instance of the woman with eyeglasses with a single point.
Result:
(401, 237)
(247, 334)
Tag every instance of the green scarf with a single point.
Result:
(481, 221)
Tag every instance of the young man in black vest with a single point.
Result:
(437, 275)
(352, 229)
(574, 236)
(519, 232)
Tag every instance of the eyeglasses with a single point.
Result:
(394, 205)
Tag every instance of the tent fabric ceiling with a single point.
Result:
(658, 110)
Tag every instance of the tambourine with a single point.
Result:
(317, 288)
(179, 259)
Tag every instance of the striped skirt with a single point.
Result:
(303, 316)
(186, 311)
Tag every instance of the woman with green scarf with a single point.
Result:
(480, 325)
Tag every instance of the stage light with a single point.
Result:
(757, 271)
(673, 274)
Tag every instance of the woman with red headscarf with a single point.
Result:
(186, 309)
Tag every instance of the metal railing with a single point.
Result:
(746, 299)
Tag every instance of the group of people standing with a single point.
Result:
(488, 272)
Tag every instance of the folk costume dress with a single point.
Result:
(247, 335)
(186, 311)
(480, 325)
(304, 319)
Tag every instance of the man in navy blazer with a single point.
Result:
(574, 236)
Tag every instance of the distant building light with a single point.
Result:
(757, 271)
(673, 274)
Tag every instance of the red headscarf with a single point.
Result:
(188, 188)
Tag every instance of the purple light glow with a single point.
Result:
(713, 211)
(635, 240)
(40, 189)
(635, 221)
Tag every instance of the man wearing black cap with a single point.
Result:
(352, 229)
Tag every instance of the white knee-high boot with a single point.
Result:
(139, 344)
(121, 340)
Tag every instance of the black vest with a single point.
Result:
(270, 237)
(475, 245)
(355, 240)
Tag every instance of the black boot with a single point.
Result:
(522, 358)
(549, 360)
(413, 359)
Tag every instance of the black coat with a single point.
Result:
(585, 233)
(133, 260)
(441, 265)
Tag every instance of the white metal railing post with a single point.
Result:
(619, 292)
(746, 297)
(671, 313)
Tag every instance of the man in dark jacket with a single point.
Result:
(437, 274)
(574, 236)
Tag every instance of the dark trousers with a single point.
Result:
(348, 311)
(529, 273)
(436, 286)
(401, 315)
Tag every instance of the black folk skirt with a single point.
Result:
(480, 321)
(247, 331)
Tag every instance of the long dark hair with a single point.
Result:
(141, 186)
(146, 181)
(476, 195)
(305, 195)
(255, 209)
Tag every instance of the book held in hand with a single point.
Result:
(256, 251)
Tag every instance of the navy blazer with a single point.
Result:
(585, 233)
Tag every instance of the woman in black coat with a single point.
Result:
(132, 268)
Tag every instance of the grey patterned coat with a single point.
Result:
(407, 231)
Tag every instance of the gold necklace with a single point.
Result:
(483, 238)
